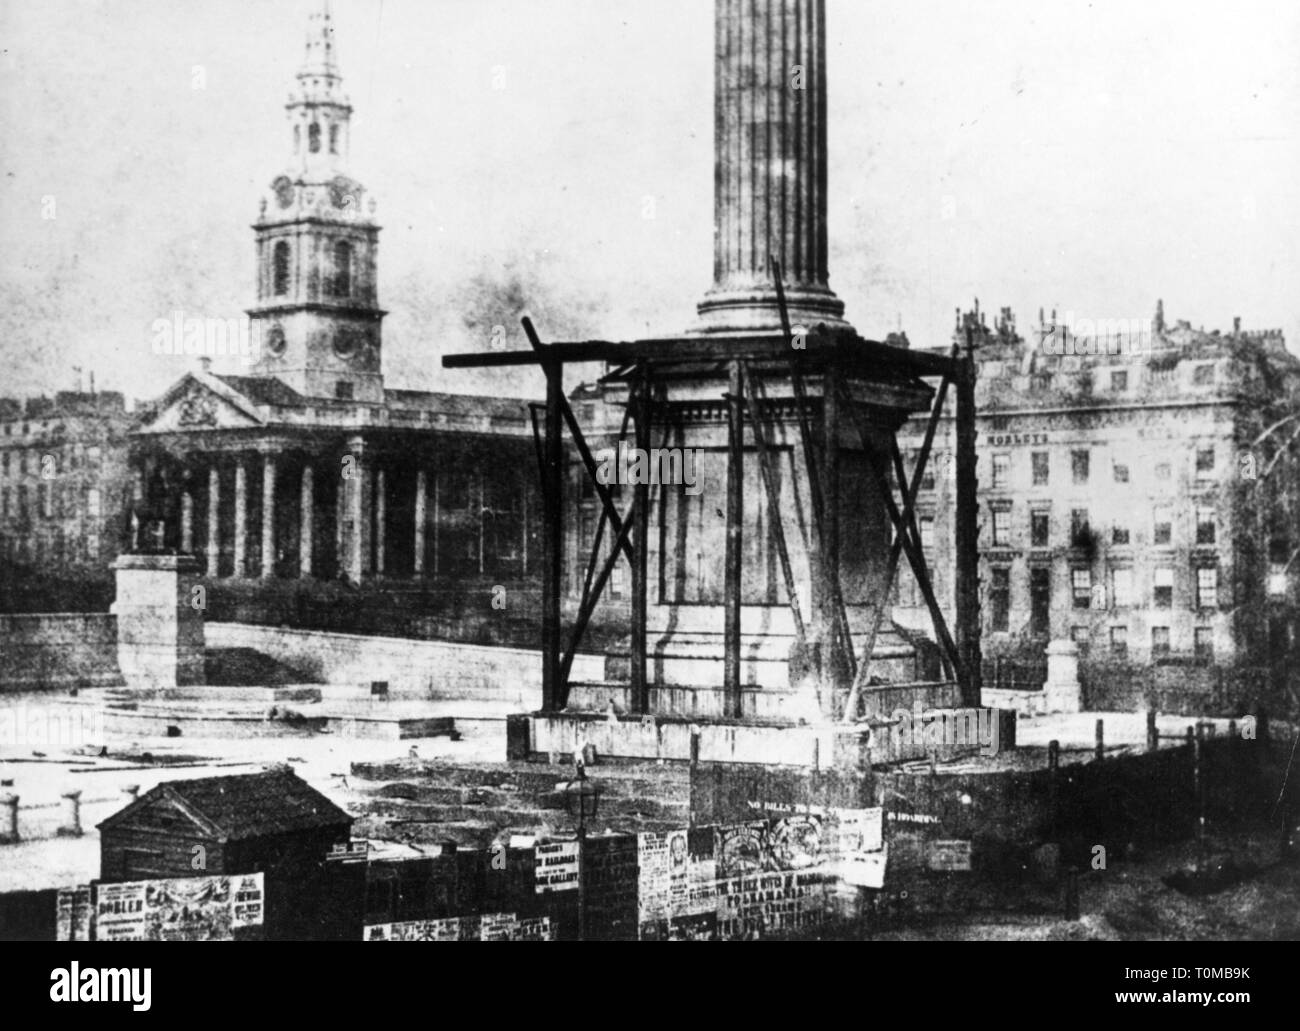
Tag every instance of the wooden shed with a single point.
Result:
(271, 822)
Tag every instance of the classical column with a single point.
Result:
(306, 513)
(241, 516)
(421, 503)
(769, 167)
(187, 522)
(214, 520)
(268, 516)
(357, 484)
(381, 519)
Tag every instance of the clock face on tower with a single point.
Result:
(283, 188)
(275, 340)
(348, 341)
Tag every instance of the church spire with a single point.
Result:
(320, 61)
(319, 110)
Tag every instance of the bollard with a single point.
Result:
(9, 817)
(71, 827)
(1153, 734)
(1101, 740)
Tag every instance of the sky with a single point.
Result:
(555, 158)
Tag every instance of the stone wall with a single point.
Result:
(58, 650)
(420, 669)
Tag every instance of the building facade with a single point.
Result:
(1140, 496)
(308, 469)
(64, 488)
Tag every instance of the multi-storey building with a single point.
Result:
(64, 486)
(1140, 495)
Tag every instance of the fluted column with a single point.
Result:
(306, 515)
(214, 521)
(381, 519)
(421, 513)
(241, 517)
(268, 516)
(769, 167)
(358, 489)
(187, 521)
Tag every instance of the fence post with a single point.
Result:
(1071, 893)
(1153, 734)
(1101, 740)
(1053, 786)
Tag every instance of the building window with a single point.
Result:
(1079, 529)
(280, 268)
(1205, 526)
(1204, 644)
(1163, 594)
(1278, 561)
(313, 137)
(1000, 599)
(1039, 529)
(1079, 464)
(1081, 587)
(334, 139)
(1204, 461)
(342, 269)
(1122, 587)
(1163, 526)
(1119, 535)
(1080, 636)
(1001, 470)
(927, 532)
(1001, 528)
(343, 390)
(1203, 375)
(1040, 463)
(927, 477)
(1040, 600)
(1119, 642)
(1121, 473)
(1119, 380)
(1207, 587)
(1159, 642)
(1163, 470)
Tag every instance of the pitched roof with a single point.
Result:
(249, 805)
(265, 390)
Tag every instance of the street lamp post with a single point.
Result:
(582, 799)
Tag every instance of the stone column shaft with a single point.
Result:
(421, 514)
(214, 520)
(306, 517)
(241, 518)
(268, 516)
(769, 166)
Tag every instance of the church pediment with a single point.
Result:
(197, 405)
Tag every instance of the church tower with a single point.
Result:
(317, 314)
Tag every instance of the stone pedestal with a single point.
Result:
(159, 628)
(1062, 687)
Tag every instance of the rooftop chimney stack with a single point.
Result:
(769, 167)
